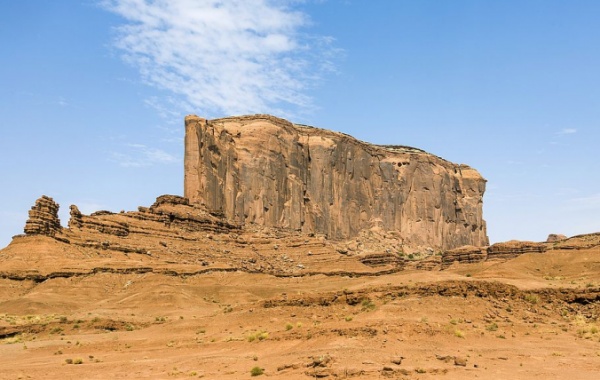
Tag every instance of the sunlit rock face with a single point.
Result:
(265, 170)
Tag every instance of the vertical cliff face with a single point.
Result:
(265, 170)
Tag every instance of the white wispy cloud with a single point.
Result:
(62, 102)
(224, 57)
(139, 155)
(567, 131)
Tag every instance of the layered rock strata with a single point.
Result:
(175, 237)
(465, 255)
(264, 170)
(514, 248)
(499, 251)
(43, 218)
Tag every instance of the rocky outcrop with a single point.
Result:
(171, 212)
(466, 255)
(514, 248)
(499, 251)
(553, 238)
(430, 263)
(176, 237)
(382, 259)
(43, 218)
(76, 220)
(265, 170)
(584, 241)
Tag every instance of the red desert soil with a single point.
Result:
(532, 317)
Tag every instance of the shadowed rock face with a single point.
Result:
(265, 170)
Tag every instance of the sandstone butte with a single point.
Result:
(301, 253)
(253, 181)
(267, 171)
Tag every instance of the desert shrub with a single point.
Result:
(256, 371)
(532, 298)
(260, 335)
(492, 327)
(367, 305)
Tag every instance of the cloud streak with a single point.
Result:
(140, 155)
(567, 131)
(224, 57)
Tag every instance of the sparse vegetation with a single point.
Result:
(492, 327)
(367, 305)
(289, 326)
(532, 298)
(260, 335)
(256, 371)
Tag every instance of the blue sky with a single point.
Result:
(93, 94)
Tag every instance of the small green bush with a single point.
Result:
(532, 298)
(367, 305)
(492, 327)
(256, 371)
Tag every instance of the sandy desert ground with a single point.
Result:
(532, 317)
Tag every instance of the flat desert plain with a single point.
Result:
(531, 317)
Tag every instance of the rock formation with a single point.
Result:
(514, 248)
(76, 220)
(465, 255)
(499, 251)
(43, 218)
(553, 238)
(172, 233)
(265, 170)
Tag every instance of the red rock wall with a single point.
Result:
(265, 170)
